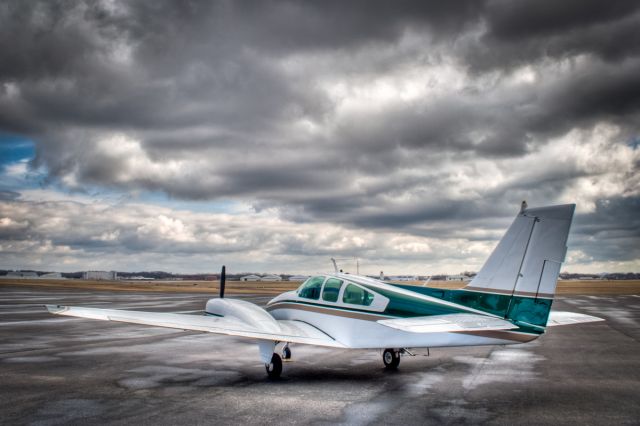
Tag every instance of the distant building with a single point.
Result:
(271, 277)
(21, 274)
(100, 275)
(298, 277)
(404, 278)
(51, 276)
(457, 278)
(250, 278)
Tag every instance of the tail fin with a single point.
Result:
(526, 262)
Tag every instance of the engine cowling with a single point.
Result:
(246, 312)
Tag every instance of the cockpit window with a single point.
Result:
(357, 296)
(331, 290)
(311, 288)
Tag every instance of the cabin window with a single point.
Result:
(357, 296)
(311, 288)
(331, 290)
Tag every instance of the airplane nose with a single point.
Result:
(279, 297)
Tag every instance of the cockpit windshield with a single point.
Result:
(310, 289)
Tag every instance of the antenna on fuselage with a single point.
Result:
(335, 265)
(424, 284)
(223, 278)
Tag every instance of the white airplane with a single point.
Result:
(508, 302)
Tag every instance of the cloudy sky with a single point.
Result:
(273, 135)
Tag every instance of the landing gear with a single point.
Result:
(391, 358)
(286, 352)
(274, 368)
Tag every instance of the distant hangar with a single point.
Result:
(268, 277)
(100, 275)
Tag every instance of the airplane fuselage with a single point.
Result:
(356, 326)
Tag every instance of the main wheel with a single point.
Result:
(274, 368)
(391, 359)
(286, 353)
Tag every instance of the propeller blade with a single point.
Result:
(223, 278)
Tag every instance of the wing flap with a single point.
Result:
(568, 318)
(448, 323)
(290, 331)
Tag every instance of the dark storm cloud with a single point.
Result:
(612, 231)
(65, 51)
(603, 92)
(522, 32)
(9, 195)
(523, 19)
(426, 117)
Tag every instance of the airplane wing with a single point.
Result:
(289, 331)
(448, 323)
(567, 318)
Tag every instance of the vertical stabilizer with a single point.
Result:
(527, 260)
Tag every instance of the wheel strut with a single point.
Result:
(286, 352)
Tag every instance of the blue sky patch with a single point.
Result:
(198, 206)
(14, 148)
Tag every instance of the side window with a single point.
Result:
(357, 296)
(331, 290)
(311, 288)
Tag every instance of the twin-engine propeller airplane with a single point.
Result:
(509, 301)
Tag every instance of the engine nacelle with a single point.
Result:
(245, 312)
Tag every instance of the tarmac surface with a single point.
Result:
(61, 370)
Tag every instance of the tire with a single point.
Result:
(391, 359)
(286, 353)
(274, 368)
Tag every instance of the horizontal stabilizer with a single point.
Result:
(288, 331)
(448, 323)
(567, 318)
